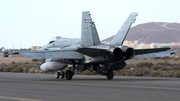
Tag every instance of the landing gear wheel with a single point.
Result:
(68, 75)
(72, 73)
(110, 75)
(62, 75)
(57, 74)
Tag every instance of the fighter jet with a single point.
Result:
(89, 53)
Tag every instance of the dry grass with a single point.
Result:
(160, 69)
(144, 64)
(20, 67)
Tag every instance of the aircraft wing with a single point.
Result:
(78, 54)
(70, 54)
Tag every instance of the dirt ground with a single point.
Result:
(15, 59)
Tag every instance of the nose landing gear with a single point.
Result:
(58, 73)
(68, 74)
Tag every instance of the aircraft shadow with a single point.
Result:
(115, 79)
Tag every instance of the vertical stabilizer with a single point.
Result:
(121, 35)
(89, 35)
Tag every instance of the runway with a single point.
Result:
(44, 87)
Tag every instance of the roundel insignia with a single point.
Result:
(89, 58)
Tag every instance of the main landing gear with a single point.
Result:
(68, 74)
(110, 75)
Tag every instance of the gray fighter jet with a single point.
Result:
(89, 53)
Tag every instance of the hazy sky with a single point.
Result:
(34, 22)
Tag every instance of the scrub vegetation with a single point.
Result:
(160, 69)
(20, 67)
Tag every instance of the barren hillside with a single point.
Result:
(154, 32)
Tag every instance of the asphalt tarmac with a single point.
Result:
(44, 87)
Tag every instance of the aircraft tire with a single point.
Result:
(57, 74)
(62, 75)
(110, 75)
(72, 73)
(68, 75)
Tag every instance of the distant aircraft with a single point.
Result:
(89, 53)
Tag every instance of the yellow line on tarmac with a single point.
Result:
(89, 84)
(18, 99)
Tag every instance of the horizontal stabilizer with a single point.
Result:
(146, 51)
(90, 51)
(54, 54)
(153, 55)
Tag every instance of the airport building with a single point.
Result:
(35, 47)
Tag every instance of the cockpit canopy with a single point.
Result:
(53, 39)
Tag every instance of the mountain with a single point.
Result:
(153, 32)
